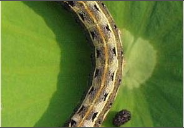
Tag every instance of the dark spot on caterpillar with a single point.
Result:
(115, 26)
(92, 89)
(114, 51)
(121, 53)
(97, 53)
(94, 116)
(81, 109)
(99, 122)
(73, 123)
(96, 8)
(121, 118)
(97, 72)
(71, 3)
(105, 96)
(103, 4)
(93, 34)
(112, 76)
(110, 105)
(82, 15)
(119, 80)
(107, 28)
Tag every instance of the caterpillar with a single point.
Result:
(107, 76)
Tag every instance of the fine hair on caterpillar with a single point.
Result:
(107, 62)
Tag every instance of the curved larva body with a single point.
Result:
(108, 62)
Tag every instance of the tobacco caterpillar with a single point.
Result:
(107, 76)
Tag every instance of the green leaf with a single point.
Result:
(46, 63)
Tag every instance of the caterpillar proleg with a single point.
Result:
(107, 76)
